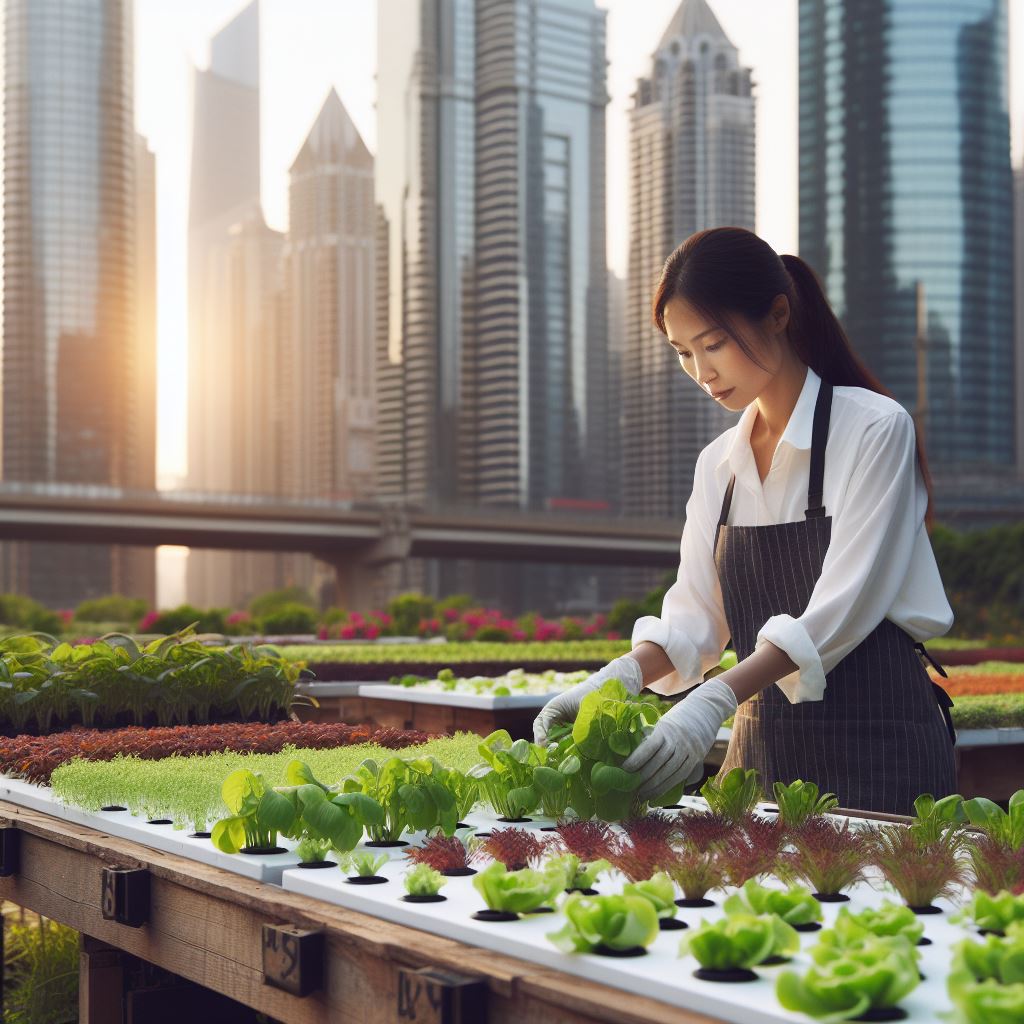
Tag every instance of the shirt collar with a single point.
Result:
(798, 432)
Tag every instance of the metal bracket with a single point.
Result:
(293, 959)
(10, 850)
(434, 996)
(125, 896)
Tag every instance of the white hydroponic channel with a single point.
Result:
(661, 973)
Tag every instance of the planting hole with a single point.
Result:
(727, 974)
(495, 915)
(602, 950)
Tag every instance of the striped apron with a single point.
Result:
(879, 737)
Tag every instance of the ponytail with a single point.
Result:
(725, 272)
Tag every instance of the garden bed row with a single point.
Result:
(115, 681)
(663, 970)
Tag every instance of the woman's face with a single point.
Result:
(711, 357)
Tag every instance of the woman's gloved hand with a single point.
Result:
(564, 707)
(676, 749)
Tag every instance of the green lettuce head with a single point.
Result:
(616, 922)
(877, 975)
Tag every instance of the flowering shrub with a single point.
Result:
(470, 623)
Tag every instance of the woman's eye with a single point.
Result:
(710, 348)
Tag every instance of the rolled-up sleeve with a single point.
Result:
(873, 538)
(691, 628)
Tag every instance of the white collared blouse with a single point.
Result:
(879, 563)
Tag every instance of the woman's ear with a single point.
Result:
(779, 314)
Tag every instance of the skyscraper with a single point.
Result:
(328, 332)
(425, 187)
(74, 405)
(905, 208)
(1018, 293)
(138, 565)
(692, 153)
(490, 178)
(234, 279)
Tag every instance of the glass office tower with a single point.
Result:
(906, 207)
(75, 410)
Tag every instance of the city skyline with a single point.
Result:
(170, 38)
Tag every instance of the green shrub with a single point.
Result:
(492, 634)
(289, 618)
(46, 622)
(172, 620)
(333, 616)
(41, 972)
(274, 600)
(572, 629)
(20, 612)
(113, 608)
(407, 610)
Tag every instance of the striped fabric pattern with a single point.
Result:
(878, 738)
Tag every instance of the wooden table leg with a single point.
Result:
(100, 982)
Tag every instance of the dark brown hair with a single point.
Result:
(725, 272)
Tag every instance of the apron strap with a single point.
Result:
(944, 700)
(819, 439)
(723, 519)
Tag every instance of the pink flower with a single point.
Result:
(66, 615)
(613, 636)
(237, 617)
(372, 632)
(348, 633)
(451, 614)
(321, 633)
(147, 621)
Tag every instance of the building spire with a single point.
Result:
(693, 18)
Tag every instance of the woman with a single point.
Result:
(804, 541)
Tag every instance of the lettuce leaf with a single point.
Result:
(618, 922)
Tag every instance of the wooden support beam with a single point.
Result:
(100, 982)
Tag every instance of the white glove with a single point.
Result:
(675, 750)
(564, 707)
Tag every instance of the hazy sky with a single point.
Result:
(310, 45)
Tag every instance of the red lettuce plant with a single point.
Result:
(920, 871)
(639, 859)
(657, 826)
(743, 858)
(447, 854)
(589, 840)
(514, 847)
(766, 834)
(995, 866)
(696, 872)
(828, 857)
(704, 828)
